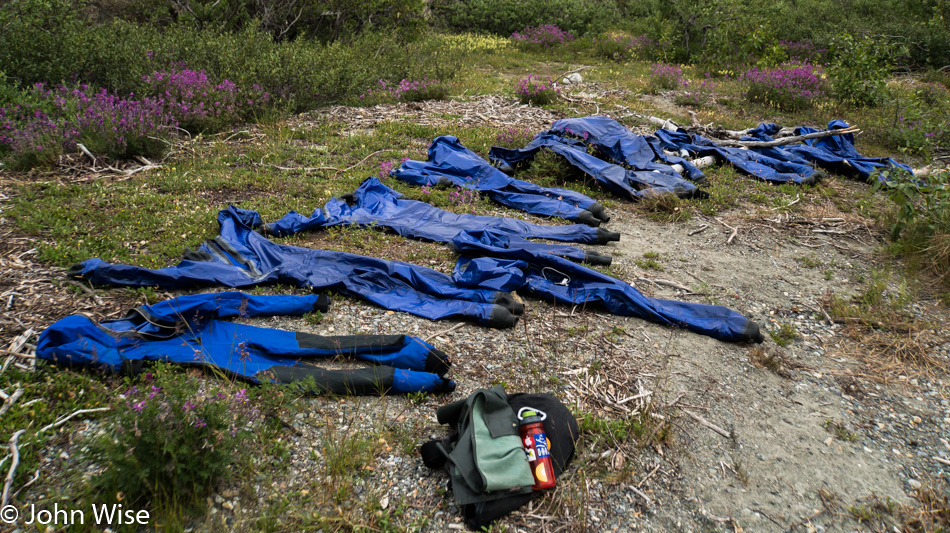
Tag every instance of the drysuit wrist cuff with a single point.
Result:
(437, 362)
(322, 304)
(501, 318)
(596, 259)
(604, 236)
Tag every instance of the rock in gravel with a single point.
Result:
(572, 79)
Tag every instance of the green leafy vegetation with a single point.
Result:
(173, 440)
(784, 334)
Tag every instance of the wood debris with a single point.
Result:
(34, 295)
(480, 110)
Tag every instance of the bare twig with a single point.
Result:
(790, 204)
(667, 283)
(707, 423)
(63, 420)
(559, 78)
(786, 140)
(15, 453)
(638, 492)
(347, 169)
(8, 402)
(18, 354)
(444, 332)
(734, 231)
(36, 476)
(701, 229)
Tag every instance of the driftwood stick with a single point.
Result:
(701, 229)
(36, 476)
(367, 157)
(638, 492)
(88, 154)
(735, 231)
(18, 354)
(443, 332)
(8, 402)
(708, 424)
(15, 453)
(64, 419)
(785, 140)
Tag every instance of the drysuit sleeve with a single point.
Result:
(234, 304)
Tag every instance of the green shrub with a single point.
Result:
(789, 87)
(505, 17)
(920, 225)
(536, 90)
(915, 121)
(619, 47)
(41, 40)
(859, 70)
(175, 438)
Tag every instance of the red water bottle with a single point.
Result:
(536, 447)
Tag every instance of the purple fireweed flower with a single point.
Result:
(546, 36)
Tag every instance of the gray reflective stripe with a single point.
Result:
(227, 247)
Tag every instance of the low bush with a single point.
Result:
(536, 90)
(406, 91)
(792, 87)
(921, 224)
(622, 47)
(914, 120)
(513, 137)
(803, 52)
(666, 76)
(505, 17)
(198, 104)
(694, 95)
(859, 70)
(175, 439)
(35, 135)
(540, 37)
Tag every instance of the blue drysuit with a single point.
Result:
(622, 146)
(187, 330)
(240, 257)
(631, 184)
(835, 153)
(450, 163)
(374, 204)
(558, 280)
(639, 151)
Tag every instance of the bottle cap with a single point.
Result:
(530, 415)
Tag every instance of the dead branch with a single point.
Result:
(561, 77)
(9, 400)
(36, 476)
(786, 140)
(64, 419)
(701, 229)
(735, 231)
(15, 452)
(450, 330)
(707, 423)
